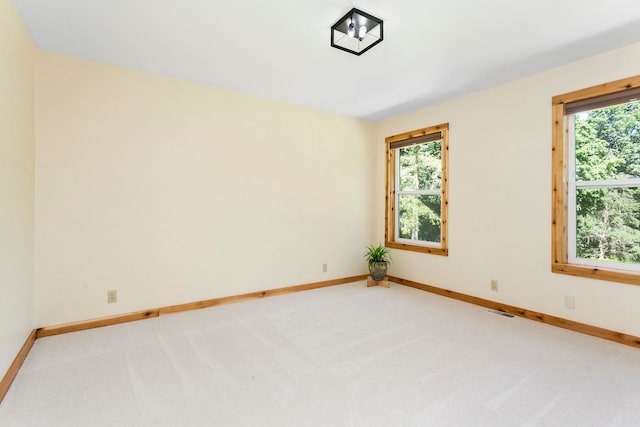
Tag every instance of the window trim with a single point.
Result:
(561, 161)
(390, 201)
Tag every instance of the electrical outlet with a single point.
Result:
(494, 285)
(112, 296)
(570, 302)
(324, 268)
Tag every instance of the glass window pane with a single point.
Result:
(608, 224)
(419, 217)
(608, 143)
(420, 166)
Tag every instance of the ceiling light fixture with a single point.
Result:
(356, 32)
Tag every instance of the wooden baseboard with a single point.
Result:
(256, 295)
(48, 331)
(8, 378)
(583, 328)
(155, 312)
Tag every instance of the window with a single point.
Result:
(416, 210)
(596, 182)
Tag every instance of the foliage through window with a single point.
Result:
(606, 184)
(598, 130)
(416, 179)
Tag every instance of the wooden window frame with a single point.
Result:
(390, 218)
(560, 186)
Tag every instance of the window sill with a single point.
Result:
(417, 248)
(597, 273)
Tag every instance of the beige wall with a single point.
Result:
(173, 192)
(500, 197)
(16, 183)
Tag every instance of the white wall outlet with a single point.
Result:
(570, 302)
(112, 296)
(324, 268)
(494, 285)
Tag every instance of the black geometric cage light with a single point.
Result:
(356, 32)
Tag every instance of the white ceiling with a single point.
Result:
(432, 49)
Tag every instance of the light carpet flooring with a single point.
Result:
(340, 356)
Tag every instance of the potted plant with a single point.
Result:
(378, 258)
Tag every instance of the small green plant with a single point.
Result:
(376, 254)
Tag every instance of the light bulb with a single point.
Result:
(351, 32)
(362, 32)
